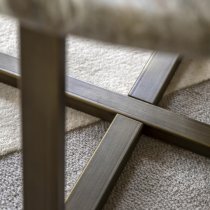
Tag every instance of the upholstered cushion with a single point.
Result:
(175, 25)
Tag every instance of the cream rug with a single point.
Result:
(158, 176)
(111, 67)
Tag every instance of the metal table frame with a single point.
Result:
(42, 83)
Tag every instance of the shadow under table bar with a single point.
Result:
(100, 175)
(178, 129)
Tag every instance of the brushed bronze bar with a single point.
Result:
(106, 164)
(155, 77)
(42, 88)
(99, 177)
(179, 129)
(172, 127)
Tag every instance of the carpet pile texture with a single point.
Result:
(157, 176)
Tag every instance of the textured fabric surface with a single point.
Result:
(177, 26)
(189, 72)
(9, 119)
(80, 145)
(157, 176)
(160, 176)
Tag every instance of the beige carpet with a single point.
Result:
(111, 67)
(158, 176)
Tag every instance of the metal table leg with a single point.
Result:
(42, 70)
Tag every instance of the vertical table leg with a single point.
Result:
(42, 71)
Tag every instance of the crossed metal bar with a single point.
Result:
(42, 85)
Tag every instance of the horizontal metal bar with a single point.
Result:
(187, 132)
(180, 130)
(98, 178)
(85, 195)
